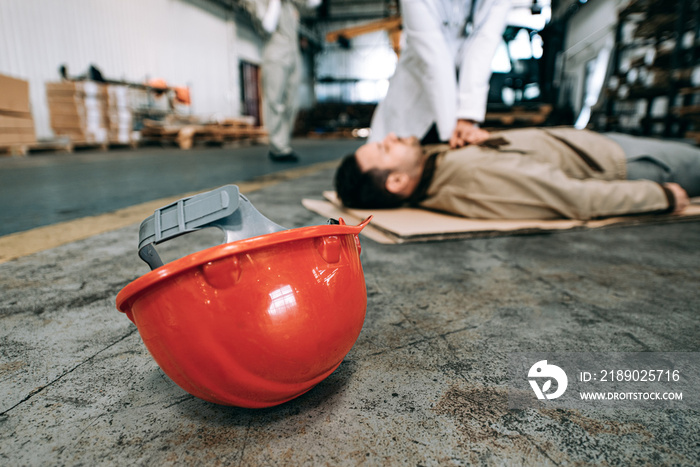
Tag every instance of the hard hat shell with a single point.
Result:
(256, 322)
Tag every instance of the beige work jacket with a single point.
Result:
(541, 174)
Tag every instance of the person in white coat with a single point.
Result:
(442, 77)
(281, 67)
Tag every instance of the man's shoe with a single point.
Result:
(289, 157)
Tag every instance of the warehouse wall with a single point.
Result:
(185, 42)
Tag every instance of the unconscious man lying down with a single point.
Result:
(543, 173)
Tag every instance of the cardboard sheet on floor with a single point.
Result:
(419, 225)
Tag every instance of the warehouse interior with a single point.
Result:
(111, 111)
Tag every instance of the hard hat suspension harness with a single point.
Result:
(224, 208)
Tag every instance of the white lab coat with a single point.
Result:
(425, 89)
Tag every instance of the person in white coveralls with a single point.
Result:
(442, 78)
(281, 68)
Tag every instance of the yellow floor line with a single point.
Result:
(21, 244)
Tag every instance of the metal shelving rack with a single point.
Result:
(654, 86)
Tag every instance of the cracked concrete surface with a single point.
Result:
(425, 384)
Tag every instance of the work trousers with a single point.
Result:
(280, 83)
(661, 161)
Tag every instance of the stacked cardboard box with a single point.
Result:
(16, 123)
(119, 114)
(91, 112)
(77, 110)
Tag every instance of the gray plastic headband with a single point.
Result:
(224, 208)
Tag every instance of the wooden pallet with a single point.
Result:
(22, 149)
(132, 144)
(694, 135)
(61, 146)
(687, 110)
(186, 135)
(344, 133)
(518, 116)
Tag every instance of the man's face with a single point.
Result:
(393, 153)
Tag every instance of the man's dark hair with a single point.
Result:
(364, 190)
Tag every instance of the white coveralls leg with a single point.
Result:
(280, 79)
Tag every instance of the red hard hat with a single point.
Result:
(256, 322)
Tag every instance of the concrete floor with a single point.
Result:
(425, 384)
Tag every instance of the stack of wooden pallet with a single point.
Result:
(16, 122)
(187, 131)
